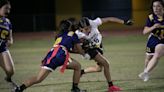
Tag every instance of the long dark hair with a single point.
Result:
(74, 22)
(84, 22)
(65, 25)
(4, 2)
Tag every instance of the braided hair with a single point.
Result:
(84, 22)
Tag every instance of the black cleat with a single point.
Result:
(78, 90)
(12, 84)
(17, 89)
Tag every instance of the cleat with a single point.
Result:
(17, 89)
(114, 89)
(12, 84)
(144, 76)
(78, 90)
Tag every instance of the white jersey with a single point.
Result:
(94, 36)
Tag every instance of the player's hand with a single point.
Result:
(128, 22)
(157, 25)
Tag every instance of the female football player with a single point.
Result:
(93, 45)
(6, 39)
(59, 56)
(154, 26)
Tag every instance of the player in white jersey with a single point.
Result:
(88, 30)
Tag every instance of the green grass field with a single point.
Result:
(125, 53)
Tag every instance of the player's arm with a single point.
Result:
(78, 49)
(150, 29)
(10, 39)
(116, 20)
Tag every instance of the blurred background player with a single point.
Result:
(88, 29)
(59, 56)
(6, 39)
(154, 26)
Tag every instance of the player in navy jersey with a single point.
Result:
(6, 39)
(65, 41)
(88, 30)
(155, 45)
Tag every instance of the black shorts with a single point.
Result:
(94, 51)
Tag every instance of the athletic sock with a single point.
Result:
(110, 83)
(82, 72)
(74, 85)
(8, 79)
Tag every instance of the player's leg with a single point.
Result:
(73, 64)
(6, 62)
(7, 65)
(91, 69)
(159, 51)
(43, 73)
(144, 76)
(147, 59)
(104, 62)
(98, 67)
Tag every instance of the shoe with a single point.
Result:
(17, 89)
(114, 89)
(144, 76)
(78, 90)
(12, 84)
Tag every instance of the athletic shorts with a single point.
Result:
(3, 48)
(152, 42)
(94, 51)
(54, 58)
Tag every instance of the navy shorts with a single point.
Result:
(3, 48)
(54, 58)
(93, 52)
(152, 42)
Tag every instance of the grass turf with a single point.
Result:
(125, 54)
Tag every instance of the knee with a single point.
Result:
(157, 56)
(77, 67)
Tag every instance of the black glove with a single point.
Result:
(128, 22)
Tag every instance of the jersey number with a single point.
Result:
(4, 33)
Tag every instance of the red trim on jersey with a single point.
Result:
(53, 54)
(65, 63)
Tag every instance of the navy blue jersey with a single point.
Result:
(5, 28)
(67, 39)
(153, 19)
(156, 34)
(59, 55)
